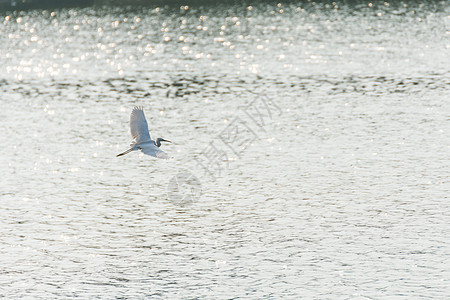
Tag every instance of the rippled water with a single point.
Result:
(341, 193)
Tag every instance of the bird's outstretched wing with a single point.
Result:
(155, 152)
(138, 126)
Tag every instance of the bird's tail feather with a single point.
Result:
(126, 152)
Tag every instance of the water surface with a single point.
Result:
(342, 193)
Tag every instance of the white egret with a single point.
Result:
(141, 136)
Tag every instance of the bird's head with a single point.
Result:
(159, 140)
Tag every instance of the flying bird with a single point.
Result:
(141, 136)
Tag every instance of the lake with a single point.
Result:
(309, 156)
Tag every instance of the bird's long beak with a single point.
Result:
(166, 140)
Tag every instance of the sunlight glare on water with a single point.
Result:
(336, 185)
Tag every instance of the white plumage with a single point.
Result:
(141, 136)
(138, 126)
